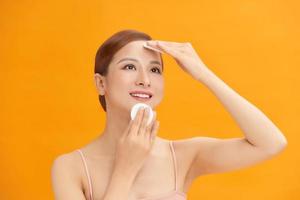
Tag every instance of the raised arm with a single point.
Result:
(262, 139)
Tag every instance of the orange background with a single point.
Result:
(49, 104)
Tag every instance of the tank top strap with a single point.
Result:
(174, 163)
(87, 173)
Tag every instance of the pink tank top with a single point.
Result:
(172, 195)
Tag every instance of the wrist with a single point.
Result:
(205, 76)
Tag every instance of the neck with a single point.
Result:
(116, 123)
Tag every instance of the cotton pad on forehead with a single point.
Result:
(148, 47)
(136, 108)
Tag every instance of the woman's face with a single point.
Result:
(133, 68)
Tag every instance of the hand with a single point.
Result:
(136, 141)
(184, 54)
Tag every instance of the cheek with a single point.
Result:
(117, 83)
(121, 84)
(160, 81)
(158, 85)
(119, 77)
(124, 82)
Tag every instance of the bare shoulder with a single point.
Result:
(66, 176)
(67, 163)
(65, 160)
(185, 148)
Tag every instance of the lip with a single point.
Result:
(141, 99)
(142, 92)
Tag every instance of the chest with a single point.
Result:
(157, 176)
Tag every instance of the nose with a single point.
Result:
(143, 79)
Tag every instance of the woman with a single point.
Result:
(128, 160)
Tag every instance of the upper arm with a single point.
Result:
(215, 155)
(65, 182)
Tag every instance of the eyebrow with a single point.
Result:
(132, 59)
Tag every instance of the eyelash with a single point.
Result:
(133, 65)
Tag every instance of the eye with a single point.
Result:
(157, 69)
(130, 65)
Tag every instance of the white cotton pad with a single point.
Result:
(135, 109)
(148, 47)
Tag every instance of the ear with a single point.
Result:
(100, 83)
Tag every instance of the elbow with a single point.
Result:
(280, 147)
(283, 144)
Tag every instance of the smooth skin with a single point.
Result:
(196, 156)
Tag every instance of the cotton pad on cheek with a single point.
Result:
(135, 109)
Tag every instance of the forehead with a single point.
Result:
(136, 50)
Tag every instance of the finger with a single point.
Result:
(144, 121)
(154, 49)
(129, 127)
(167, 43)
(171, 45)
(154, 131)
(137, 121)
(153, 119)
(149, 127)
(171, 50)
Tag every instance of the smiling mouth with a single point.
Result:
(142, 97)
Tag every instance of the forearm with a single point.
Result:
(119, 185)
(256, 126)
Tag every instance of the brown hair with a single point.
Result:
(109, 48)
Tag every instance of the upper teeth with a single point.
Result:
(141, 95)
